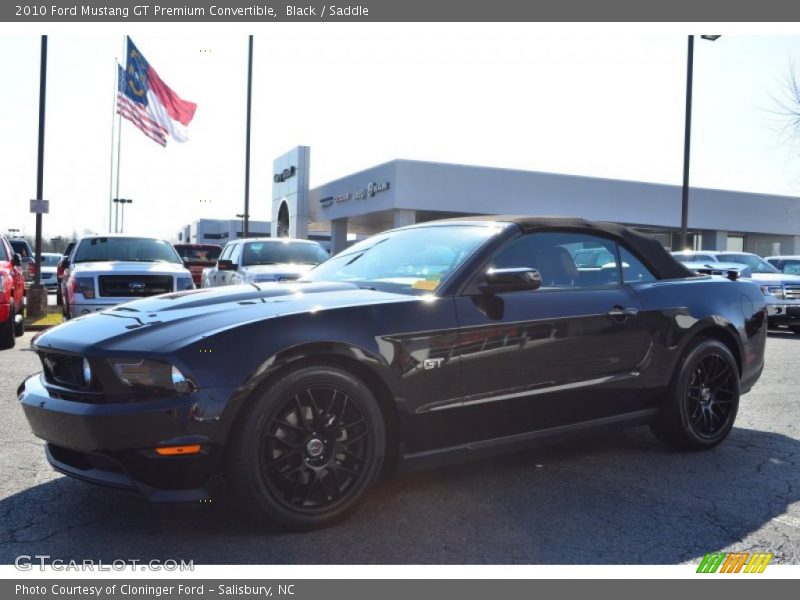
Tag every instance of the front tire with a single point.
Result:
(7, 337)
(702, 400)
(307, 448)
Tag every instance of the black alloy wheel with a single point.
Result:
(710, 394)
(307, 448)
(703, 399)
(316, 448)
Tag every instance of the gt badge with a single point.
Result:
(432, 363)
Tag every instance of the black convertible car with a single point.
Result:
(416, 347)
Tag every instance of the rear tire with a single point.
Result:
(7, 337)
(307, 449)
(702, 400)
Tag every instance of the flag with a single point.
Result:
(146, 101)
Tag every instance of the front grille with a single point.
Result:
(792, 292)
(134, 286)
(62, 369)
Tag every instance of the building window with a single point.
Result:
(768, 248)
(735, 243)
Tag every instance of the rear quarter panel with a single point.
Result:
(677, 311)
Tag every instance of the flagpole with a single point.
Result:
(246, 227)
(111, 160)
(119, 148)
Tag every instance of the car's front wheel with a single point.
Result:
(703, 398)
(7, 337)
(307, 448)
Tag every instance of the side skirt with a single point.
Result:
(429, 459)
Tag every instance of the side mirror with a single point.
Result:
(16, 260)
(516, 279)
(185, 262)
(226, 265)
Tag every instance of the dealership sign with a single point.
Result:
(284, 175)
(360, 193)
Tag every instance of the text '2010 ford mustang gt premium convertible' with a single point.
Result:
(416, 347)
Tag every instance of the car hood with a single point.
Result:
(159, 324)
(120, 267)
(776, 278)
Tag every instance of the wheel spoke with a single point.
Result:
(355, 439)
(352, 424)
(288, 425)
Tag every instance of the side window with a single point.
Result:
(633, 271)
(236, 254)
(226, 252)
(565, 260)
(4, 256)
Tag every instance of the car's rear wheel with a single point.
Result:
(308, 448)
(703, 398)
(7, 337)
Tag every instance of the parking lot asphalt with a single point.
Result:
(617, 499)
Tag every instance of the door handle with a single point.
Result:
(619, 311)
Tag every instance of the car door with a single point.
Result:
(234, 276)
(217, 276)
(565, 353)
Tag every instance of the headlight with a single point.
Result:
(86, 369)
(152, 374)
(85, 286)
(772, 290)
(184, 283)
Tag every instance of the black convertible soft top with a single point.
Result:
(648, 249)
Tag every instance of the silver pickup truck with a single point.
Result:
(106, 270)
(781, 290)
(257, 260)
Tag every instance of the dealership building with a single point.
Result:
(403, 192)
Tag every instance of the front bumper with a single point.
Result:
(114, 444)
(85, 308)
(783, 313)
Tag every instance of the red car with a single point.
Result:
(12, 295)
(198, 257)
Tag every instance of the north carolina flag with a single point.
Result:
(149, 103)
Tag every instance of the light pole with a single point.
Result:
(242, 216)
(120, 217)
(687, 138)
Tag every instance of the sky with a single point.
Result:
(583, 101)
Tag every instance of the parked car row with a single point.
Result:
(781, 288)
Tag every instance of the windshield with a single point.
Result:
(690, 258)
(280, 253)
(125, 249)
(206, 253)
(756, 263)
(409, 261)
(50, 260)
(791, 266)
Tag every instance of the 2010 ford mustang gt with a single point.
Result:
(419, 346)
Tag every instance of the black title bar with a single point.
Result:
(259, 11)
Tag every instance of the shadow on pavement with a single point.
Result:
(617, 499)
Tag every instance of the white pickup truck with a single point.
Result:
(106, 270)
(256, 260)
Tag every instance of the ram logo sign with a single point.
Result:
(734, 562)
